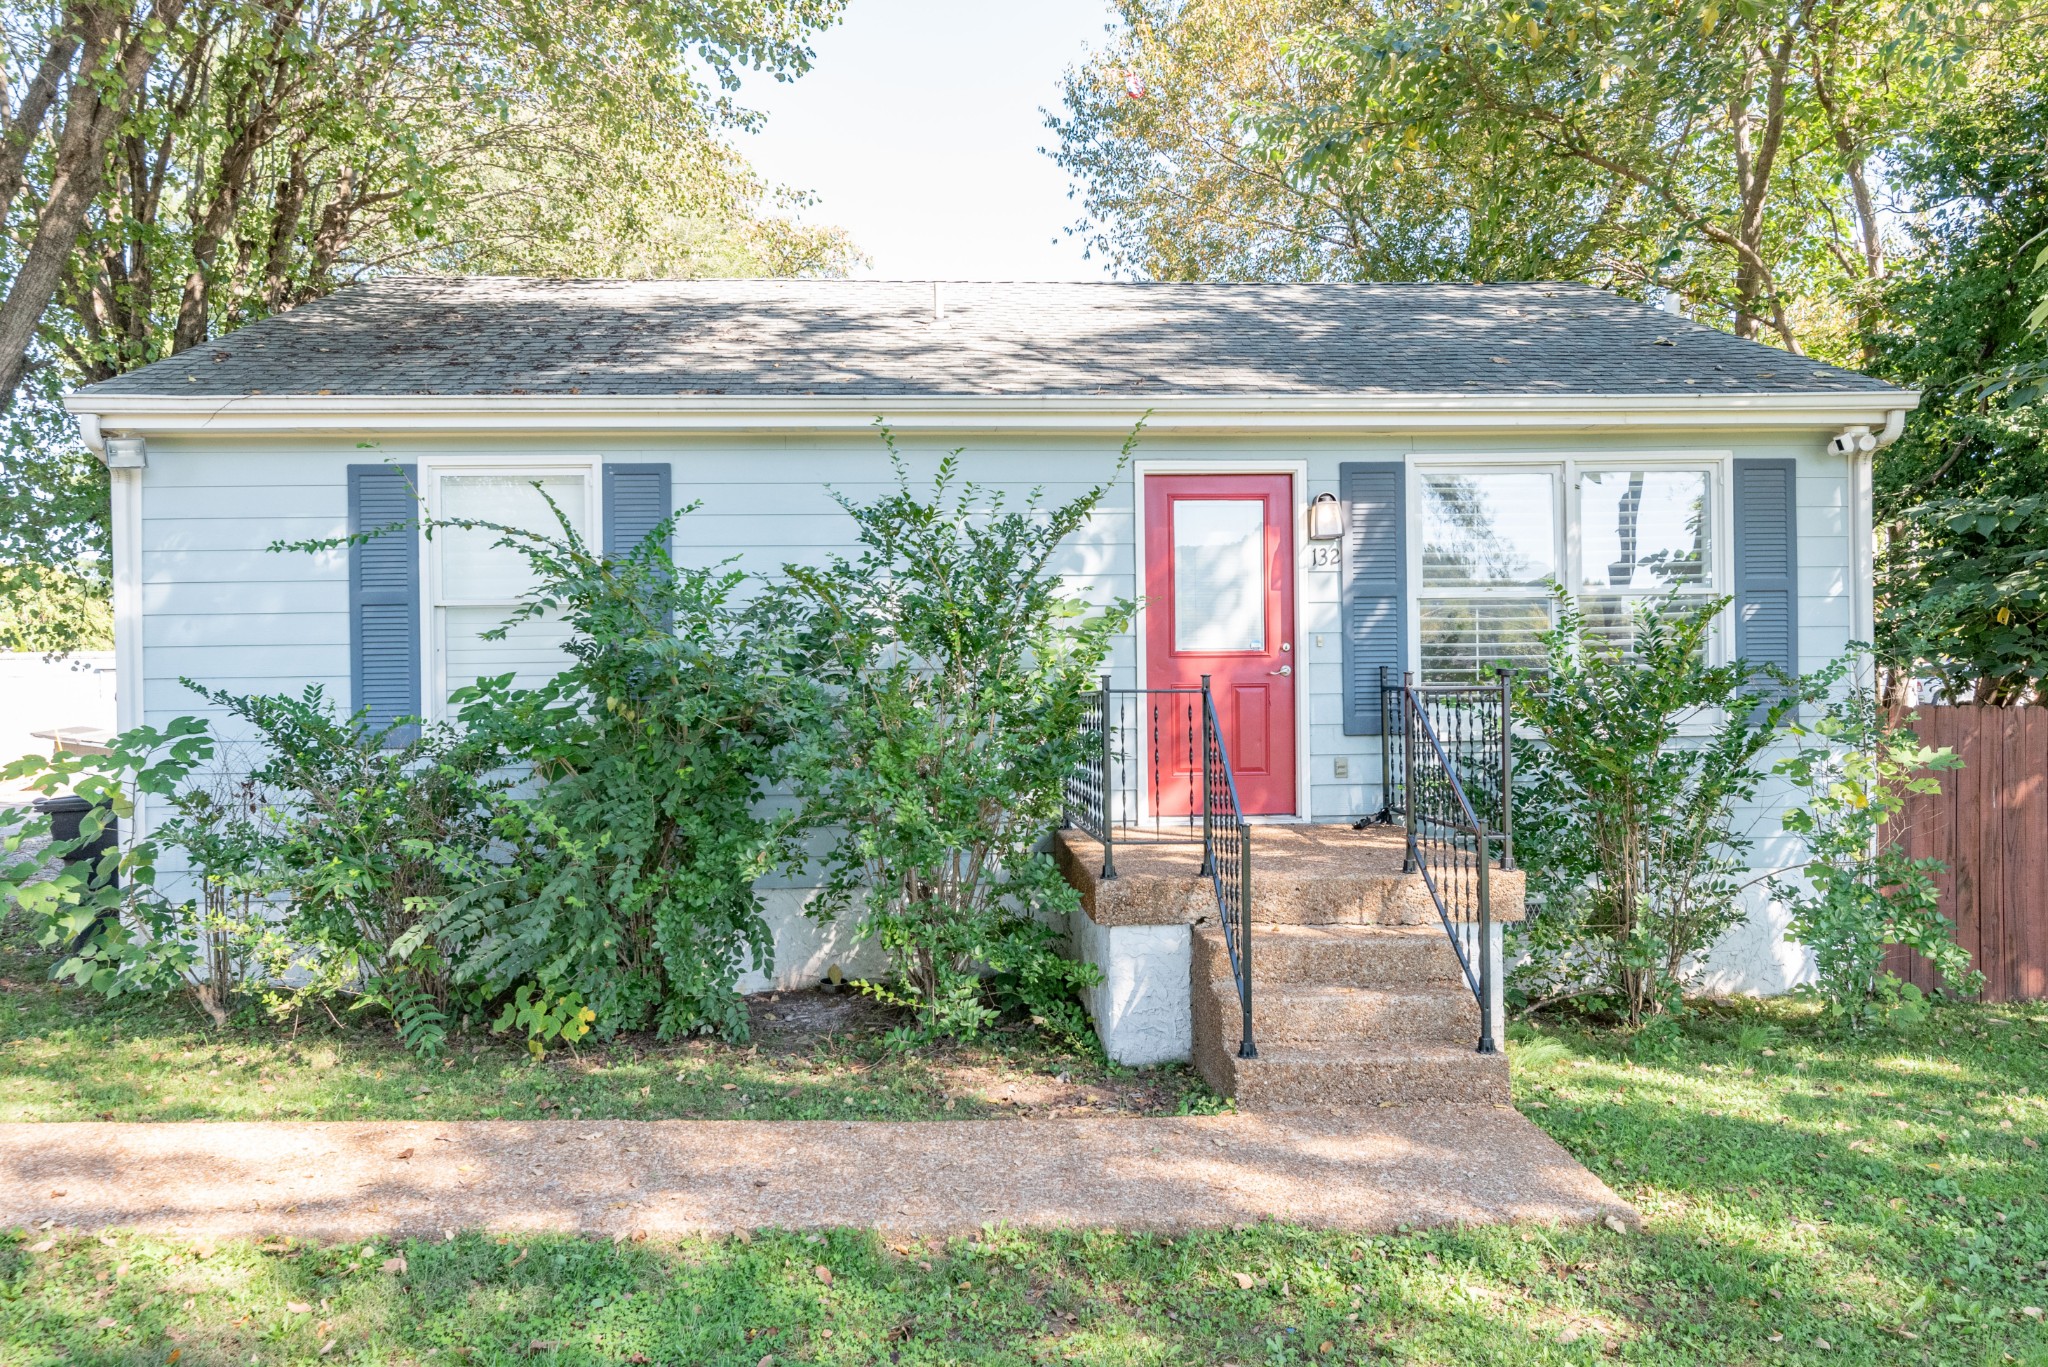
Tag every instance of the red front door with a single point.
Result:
(1219, 600)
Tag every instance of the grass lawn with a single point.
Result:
(1882, 1200)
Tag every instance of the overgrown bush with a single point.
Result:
(958, 662)
(371, 832)
(1860, 892)
(628, 898)
(113, 931)
(1628, 771)
(317, 863)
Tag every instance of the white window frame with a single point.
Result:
(433, 637)
(1565, 468)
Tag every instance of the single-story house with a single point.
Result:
(1476, 439)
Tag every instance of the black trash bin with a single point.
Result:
(66, 813)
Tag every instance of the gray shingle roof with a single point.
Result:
(455, 336)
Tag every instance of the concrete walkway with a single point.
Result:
(1371, 1170)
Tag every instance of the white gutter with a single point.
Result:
(1894, 424)
(597, 413)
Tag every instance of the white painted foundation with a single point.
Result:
(806, 949)
(1144, 1009)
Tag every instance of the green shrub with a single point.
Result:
(113, 931)
(1860, 892)
(371, 833)
(1628, 771)
(320, 862)
(958, 664)
(632, 857)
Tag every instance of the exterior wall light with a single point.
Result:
(127, 453)
(1325, 518)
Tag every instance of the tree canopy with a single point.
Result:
(1731, 152)
(1963, 497)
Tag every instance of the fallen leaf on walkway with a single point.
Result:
(1614, 1223)
(58, 1192)
(402, 1156)
(1244, 1281)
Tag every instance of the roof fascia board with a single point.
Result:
(1079, 413)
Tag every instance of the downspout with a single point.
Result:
(1863, 539)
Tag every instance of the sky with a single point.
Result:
(918, 128)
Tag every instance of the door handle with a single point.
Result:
(1285, 670)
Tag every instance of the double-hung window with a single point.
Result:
(1492, 538)
(1490, 546)
(473, 584)
(1643, 534)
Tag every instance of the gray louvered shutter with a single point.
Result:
(1767, 563)
(636, 500)
(1375, 498)
(384, 595)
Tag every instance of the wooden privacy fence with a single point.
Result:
(1989, 824)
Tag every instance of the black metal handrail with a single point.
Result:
(1143, 747)
(1227, 859)
(1142, 755)
(1447, 773)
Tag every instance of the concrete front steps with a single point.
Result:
(1357, 995)
(1342, 1015)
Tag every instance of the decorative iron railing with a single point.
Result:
(1447, 770)
(1140, 777)
(1227, 859)
(1155, 770)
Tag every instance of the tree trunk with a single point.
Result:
(252, 124)
(81, 165)
(27, 123)
(1756, 153)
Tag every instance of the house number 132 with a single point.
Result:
(1324, 557)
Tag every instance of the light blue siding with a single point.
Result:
(219, 605)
